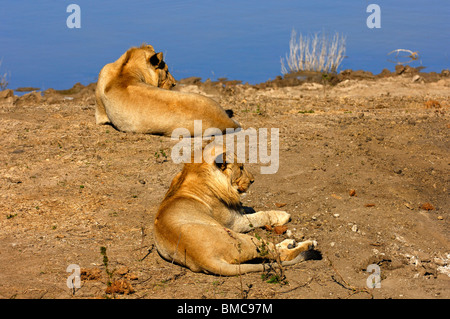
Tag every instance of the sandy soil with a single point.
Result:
(364, 170)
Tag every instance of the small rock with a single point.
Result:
(280, 229)
(427, 206)
(131, 276)
(439, 261)
(6, 94)
(398, 171)
(416, 78)
(422, 256)
(399, 69)
(122, 271)
(354, 228)
(352, 192)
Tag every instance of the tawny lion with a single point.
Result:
(201, 223)
(133, 94)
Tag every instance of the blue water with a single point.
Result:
(241, 40)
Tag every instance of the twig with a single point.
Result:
(413, 55)
(149, 252)
(299, 286)
(344, 284)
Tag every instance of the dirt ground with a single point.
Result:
(364, 170)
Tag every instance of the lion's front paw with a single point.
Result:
(278, 218)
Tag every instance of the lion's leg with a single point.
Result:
(100, 113)
(289, 249)
(222, 251)
(247, 222)
(246, 248)
(216, 250)
(250, 247)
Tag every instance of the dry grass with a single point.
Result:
(319, 52)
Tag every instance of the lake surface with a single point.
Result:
(242, 40)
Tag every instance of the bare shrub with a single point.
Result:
(318, 52)
(3, 79)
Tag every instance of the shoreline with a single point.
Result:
(290, 79)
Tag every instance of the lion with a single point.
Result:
(201, 223)
(133, 95)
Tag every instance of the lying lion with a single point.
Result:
(133, 94)
(200, 223)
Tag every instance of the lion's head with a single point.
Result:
(148, 66)
(223, 178)
(239, 177)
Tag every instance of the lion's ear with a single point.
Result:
(156, 59)
(221, 161)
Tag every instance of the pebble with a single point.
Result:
(354, 228)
